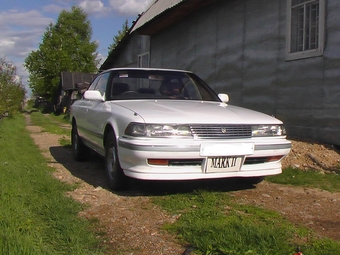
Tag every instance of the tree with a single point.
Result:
(117, 38)
(66, 47)
(12, 92)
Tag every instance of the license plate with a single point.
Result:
(223, 164)
(226, 149)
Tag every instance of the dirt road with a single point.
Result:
(133, 225)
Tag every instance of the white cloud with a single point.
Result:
(92, 6)
(20, 32)
(53, 8)
(130, 7)
(26, 19)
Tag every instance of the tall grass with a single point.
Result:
(35, 215)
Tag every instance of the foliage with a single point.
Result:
(65, 46)
(36, 217)
(12, 92)
(117, 38)
(216, 225)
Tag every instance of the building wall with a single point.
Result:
(128, 54)
(238, 47)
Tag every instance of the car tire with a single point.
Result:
(80, 151)
(115, 176)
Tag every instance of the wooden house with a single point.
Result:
(280, 57)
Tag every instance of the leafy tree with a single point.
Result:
(12, 92)
(66, 46)
(117, 38)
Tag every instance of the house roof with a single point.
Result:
(158, 16)
(156, 8)
(164, 13)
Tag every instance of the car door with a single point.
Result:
(81, 111)
(94, 119)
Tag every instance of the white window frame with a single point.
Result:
(318, 51)
(142, 63)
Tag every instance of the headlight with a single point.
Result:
(268, 130)
(158, 130)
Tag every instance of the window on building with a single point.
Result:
(305, 31)
(143, 60)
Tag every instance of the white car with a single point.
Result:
(161, 124)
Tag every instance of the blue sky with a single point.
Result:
(23, 23)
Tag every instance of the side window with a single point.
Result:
(305, 28)
(102, 83)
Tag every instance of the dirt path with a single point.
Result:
(131, 222)
(133, 225)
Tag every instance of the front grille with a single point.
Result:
(221, 131)
(185, 162)
(252, 161)
(199, 162)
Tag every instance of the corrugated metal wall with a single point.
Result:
(238, 47)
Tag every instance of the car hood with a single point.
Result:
(186, 111)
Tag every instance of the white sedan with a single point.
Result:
(160, 124)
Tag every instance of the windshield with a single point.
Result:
(158, 84)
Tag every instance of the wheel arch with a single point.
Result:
(108, 129)
(73, 121)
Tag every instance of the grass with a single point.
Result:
(35, 215)
(48, 123)
(310, 178)
(214, 224)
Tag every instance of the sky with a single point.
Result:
(23, 23)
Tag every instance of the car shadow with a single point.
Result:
(92, 172)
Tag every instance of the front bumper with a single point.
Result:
(134, 155)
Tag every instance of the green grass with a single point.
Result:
(310, 178)
(62, 118)
(214, 224)
(50, 123)
(35, 215)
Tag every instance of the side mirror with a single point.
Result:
(93, 95)
(224, 98)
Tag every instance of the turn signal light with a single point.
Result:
(158, 162)
(274, 158)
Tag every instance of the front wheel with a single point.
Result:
(115, 176)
